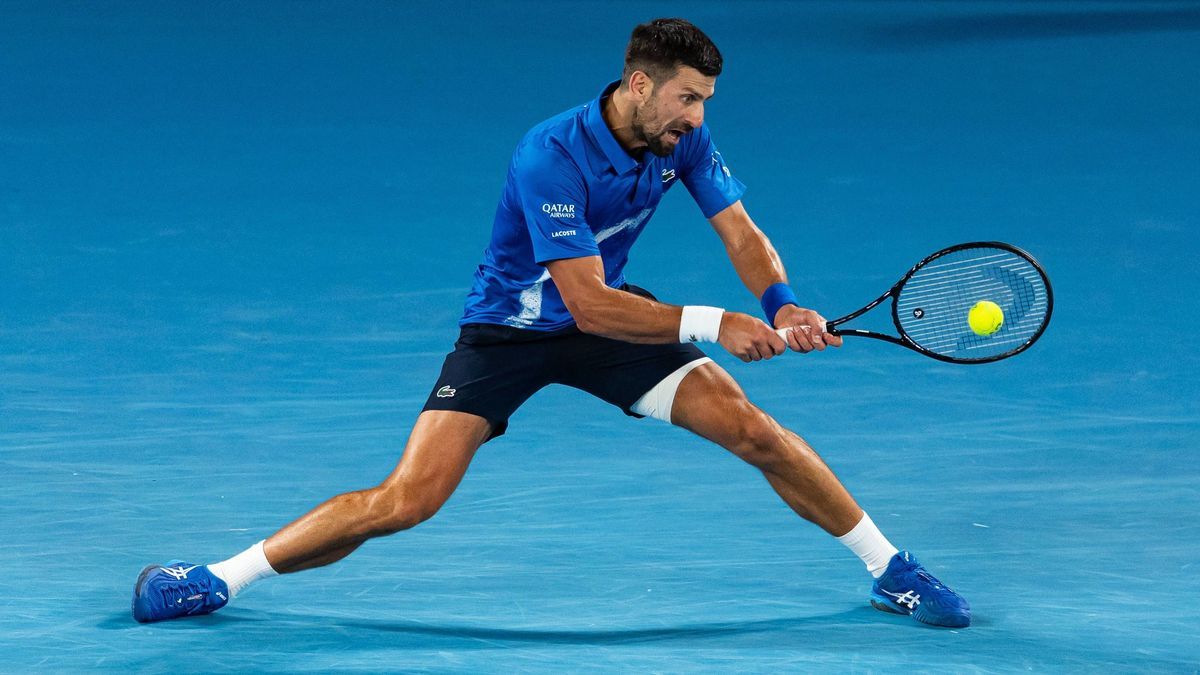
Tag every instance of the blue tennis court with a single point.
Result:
(235, 240)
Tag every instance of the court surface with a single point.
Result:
(235, 239)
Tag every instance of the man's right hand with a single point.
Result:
(748, 338)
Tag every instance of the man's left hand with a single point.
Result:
(808, 329)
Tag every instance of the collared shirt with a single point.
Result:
(572, 191)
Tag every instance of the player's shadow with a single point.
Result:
(304, 628)
(295, 623)
(123, 621)
(611, 636)
(420, 634)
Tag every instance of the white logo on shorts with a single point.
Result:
(446, 392)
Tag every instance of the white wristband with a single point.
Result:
(700, 323)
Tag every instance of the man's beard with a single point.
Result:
(655, 143)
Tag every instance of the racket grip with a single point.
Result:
(782, 332)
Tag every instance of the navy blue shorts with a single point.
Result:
(494, 369)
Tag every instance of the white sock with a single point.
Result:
(869, 544)
(243, 569)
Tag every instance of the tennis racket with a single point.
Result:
(932, 302)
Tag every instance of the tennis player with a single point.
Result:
(550, 305)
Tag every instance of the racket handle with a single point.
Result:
(782, 332)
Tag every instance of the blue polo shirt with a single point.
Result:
(573, 192)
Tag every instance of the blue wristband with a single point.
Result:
(775, 297)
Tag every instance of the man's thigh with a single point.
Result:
(710, 403)
(439, 449)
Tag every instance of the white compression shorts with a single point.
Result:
(657, 402)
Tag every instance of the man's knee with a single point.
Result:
(754, 436)
(390, 508)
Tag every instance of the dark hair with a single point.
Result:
(659, 47)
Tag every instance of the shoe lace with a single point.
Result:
(928, 578)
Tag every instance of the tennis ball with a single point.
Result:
(985, 317)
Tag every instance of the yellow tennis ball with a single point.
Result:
(985, 317)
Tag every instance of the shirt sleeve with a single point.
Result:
(707, 177)
(554, 201)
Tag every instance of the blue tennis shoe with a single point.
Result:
(177, 589)
(907, 588)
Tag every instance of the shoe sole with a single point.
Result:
(137, 592)
(885, 605)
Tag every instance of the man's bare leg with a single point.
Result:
(711, 404)
(708, 402)
(439, 449)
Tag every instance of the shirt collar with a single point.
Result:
(621, 161)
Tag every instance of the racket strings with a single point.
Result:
(933, 305)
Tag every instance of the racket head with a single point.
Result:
(930, 305)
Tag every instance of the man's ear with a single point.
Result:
(641, 86)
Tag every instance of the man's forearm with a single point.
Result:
(753, 257)
(757, 263)
(624, 316)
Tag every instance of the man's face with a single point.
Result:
(673, 108)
